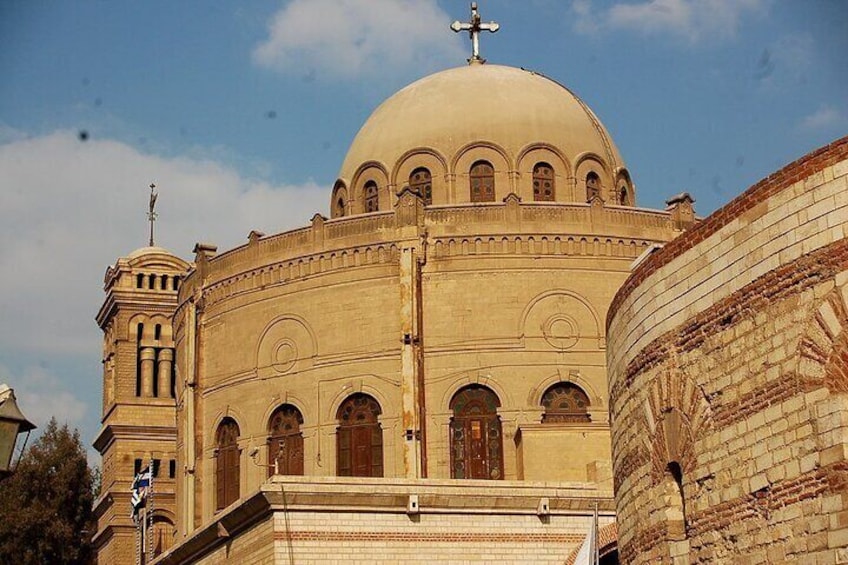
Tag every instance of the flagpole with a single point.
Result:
(596, 551)
(149, 512)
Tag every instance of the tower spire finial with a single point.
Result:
(151, 213)
(474, 27)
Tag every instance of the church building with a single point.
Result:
(418, 376)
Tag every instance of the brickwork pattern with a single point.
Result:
(727, 356)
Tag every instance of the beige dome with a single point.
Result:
(507, 109)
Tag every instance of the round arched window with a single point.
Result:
(421, 181)
(543, 183)
(482, 182)
(565, 402)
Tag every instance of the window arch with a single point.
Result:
(227, 464)
(285, 441)
(565, 402)
(151, 281)
(623, 196)
(543, 183)
(476, 435)
(359, 438)
(482, 182)
(593, 185)
(339, 207)
(162, 534)
(372, 196)
(421, 181)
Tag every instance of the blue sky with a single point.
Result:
(242, 113)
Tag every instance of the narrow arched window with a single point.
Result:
(227, 467)
(163, 284)
(674, 501)
(157, 332)
(139, 333)
(421, 181)
(593, 186)
(565, 402)
(139, 281)
(482, 182)
(476, 436)
(359, 438)
(339, 207)
(151, 282)
(175, 283)
(285, 441)
(372, 197)
(543, 183)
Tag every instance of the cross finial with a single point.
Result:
(151, 213)
(474, 27)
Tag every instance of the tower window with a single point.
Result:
(172, 468)
(136, 467)
(157, 332)
(340, 207)
(543, 183)
(482, 182)
(421, 181)
(151, 282)
(163, 284)
(372, 197)
(175, 282)
(139, 281)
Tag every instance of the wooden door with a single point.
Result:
(476, 435)
(359, 438)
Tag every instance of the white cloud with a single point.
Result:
(347, 38)
(693, 20)
(826, 117)
(68, 209)
(41, 395)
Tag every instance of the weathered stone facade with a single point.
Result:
(728, 395)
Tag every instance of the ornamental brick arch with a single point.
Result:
(676, 415)
(823, 347)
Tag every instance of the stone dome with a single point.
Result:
(508, 111)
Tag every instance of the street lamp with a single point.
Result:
(12, 423)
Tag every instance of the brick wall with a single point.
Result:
(727, 357)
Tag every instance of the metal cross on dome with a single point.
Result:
(474, 27)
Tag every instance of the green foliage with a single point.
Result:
(46, 505)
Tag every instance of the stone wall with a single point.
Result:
(728, 393)
(346, 520)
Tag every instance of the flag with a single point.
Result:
(140, 486)
(588, 554)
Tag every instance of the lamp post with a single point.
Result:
(12, 424)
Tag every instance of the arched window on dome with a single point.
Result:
(476, 435)
(285, 441)
(339, 207)
(543, 183)
(227, 464)
(359, 438)
(372, 196)
(482, 182)
(593, 186)
(565, 402)
(421, 181)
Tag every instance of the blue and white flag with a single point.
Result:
(140, 487)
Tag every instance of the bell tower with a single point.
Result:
(138, 414)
